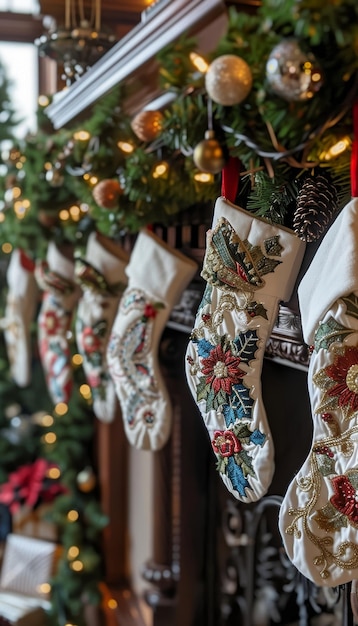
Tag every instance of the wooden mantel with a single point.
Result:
(132, 58)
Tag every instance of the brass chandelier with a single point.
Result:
(79, 42)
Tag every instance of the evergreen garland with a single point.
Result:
(279, 140)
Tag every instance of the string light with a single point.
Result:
(64, 215)
(77, 566)
(85, 391)
(6, 248)
(125, 146)
(203, 177)
(72, 515)
(73, 552)
(77, 359)
(61, 408)
(43, 101)
(199, 62)
(336, 149)
(160, 170)
(82, 135)
(44, 588)
(112, 603)
(49, 438)
(75, 212)
(53, 473)
(21, 208)
(47, 420)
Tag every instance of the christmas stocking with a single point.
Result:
(56, 278)
(21, 302)
(249, 266)
(157, 276)
(319, 515)
(102, 278)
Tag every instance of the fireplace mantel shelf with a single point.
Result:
(130, 58)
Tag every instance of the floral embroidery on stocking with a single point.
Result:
(55, 353)
(221, 360)
(331, 459)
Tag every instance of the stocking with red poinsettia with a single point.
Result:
(319, 514)
(249, 266)
(55, 277)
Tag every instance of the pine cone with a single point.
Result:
(316, 204)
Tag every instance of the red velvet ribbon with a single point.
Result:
(26, 262)
(354, 157)
(230, 178)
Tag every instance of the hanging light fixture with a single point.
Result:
(79, 42)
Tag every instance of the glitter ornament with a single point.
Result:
(147, 125)
(228, 80)
(293, 74)
(208, 155)
(106, 193)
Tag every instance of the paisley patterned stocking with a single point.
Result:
(101, 275)
(249, 266)
(319, 515)
(157, 276)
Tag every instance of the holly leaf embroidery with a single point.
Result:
(257, 309)
(213, 400)
(202, 389)
(204, 348)
(329, 332)
(238, 405)
(351, 303)
(246, 345)
(329, 519)
(236, 476)
(243, 432)
(206, 297)
(257, 437)
(244, 460)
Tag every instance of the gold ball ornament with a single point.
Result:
(208, 155)
(228, 80)
(106, 193)
(147, 125)
(86, 480)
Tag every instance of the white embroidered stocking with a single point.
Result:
(60, 296)
(101, 275)
(157, 275)
(249, 266)
(319, 515)
(21, 302)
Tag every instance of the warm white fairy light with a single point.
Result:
(61, 408)
(82, 135)
(199, 62)
(125, 146)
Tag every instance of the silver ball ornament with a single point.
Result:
(293, 74)
(228, 80)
